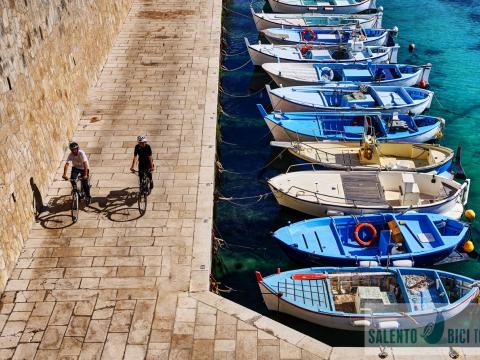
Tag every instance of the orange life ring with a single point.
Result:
(372, 238)
(304, 49)
(309, 32)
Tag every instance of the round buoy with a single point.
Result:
(395, 30)
(468, 247)
(439, 135)
(470, 214)
(380, 9)
(422, 84)
(411, 47)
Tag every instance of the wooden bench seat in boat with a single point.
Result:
(363, 189)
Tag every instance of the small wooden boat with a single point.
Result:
(368, 298)
(351, 97)
(327, 192)
(410, 238)
(335, 22)
(319, 36)
(351, 126)
(370, 155)
(297, 74)
(321, 6)
(268, 53)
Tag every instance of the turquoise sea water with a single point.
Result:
(446, 34)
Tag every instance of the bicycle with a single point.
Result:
(76, 196)
(143, 190)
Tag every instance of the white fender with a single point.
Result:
(402, 263)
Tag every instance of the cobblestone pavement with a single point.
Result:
(115, 285)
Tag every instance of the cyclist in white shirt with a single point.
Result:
(80, 166)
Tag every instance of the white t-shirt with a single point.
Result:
(78, 160)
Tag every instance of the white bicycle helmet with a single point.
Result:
(141, 138)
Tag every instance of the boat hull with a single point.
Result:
(281, 7)
(321, 209)
(309, 259)
(280, 133)
(262, 22)
(259, 57)
(377, 41)
(408, 80)
(346, 321)
(286, 105)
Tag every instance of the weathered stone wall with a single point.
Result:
(51, 52)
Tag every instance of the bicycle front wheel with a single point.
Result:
(142, 202)
(75, 203)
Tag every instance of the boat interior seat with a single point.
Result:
(392, 197)
(320, 55)
(384, 242)
(406, 96)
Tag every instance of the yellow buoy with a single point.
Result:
(468, 247)
(470, 214)
(439, 135)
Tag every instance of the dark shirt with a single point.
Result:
(143, 154)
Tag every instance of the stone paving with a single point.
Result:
(116, 285)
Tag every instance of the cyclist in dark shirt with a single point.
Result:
(145, 162)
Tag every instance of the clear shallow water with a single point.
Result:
(446, 34)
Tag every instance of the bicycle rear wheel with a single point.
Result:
(142, 202)
(75, 203)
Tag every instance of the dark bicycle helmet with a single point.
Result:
(73, 145)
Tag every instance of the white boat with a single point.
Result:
(321, 6)
(337, 22)
(368, 298)
(268, 53)
(351, 97)
(327, 193)
(320, 36)
(299, 74)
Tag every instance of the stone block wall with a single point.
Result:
(51, 52)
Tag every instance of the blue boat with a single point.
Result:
(388, 239)
(367, 298)
(319, 36)
(351, 126)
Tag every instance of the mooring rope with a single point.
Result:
(221, 169)
(450, 111)
(232, 200)
(237, 13)
(244, 95)
(224, 53)
(237, 68)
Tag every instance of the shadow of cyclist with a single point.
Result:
(37, 199)
(56, 214)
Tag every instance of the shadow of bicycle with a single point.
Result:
(117, 206)
(56, 214)
(121, 205)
